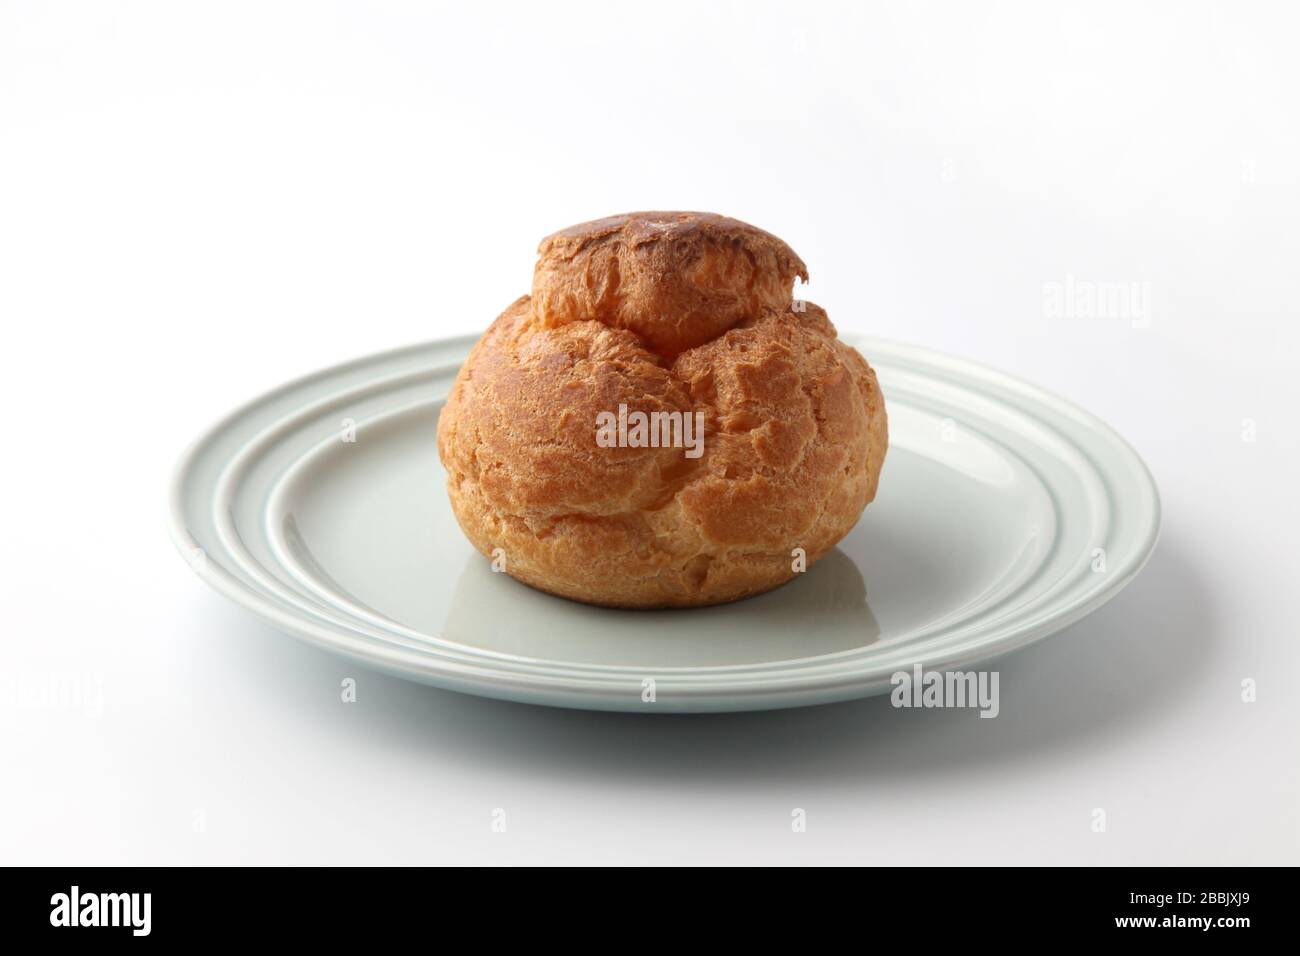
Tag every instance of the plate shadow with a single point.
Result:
(1131, 662)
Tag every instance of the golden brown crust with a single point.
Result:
(676, 279)
(794, 436)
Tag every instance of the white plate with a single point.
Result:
(1004, 514)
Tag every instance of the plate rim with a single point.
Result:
(563, 690)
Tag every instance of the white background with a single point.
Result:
(200, 201)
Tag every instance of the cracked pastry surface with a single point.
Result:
(661, 312)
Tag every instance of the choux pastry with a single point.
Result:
(660, 424)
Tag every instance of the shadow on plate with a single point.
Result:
(826, 607)
(1128, 663)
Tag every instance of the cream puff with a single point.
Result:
(660, 424)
